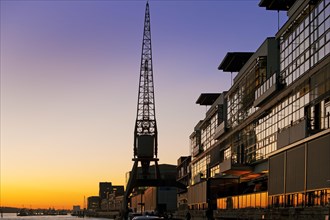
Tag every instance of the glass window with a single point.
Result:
(327, 48)
(227, 154)
(327, 11)
(320, 7)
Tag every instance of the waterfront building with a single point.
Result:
(110, 196)
(299, 169)
(105, 188)
(205, 155)
(265, 143)
(118, 190)
(156, 199)
(115, 203)
(183, 176)
(76, 208)
(93, 203)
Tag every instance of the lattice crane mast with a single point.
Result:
(145, 132)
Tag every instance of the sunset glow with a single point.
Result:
(69, 80)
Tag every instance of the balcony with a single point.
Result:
(267, 89)
(198, 178)
(292, 134)
(197, 150)
(221, 129)
(228, 167)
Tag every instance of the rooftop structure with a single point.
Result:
(234, 61)
(278, 5)
(207, 98)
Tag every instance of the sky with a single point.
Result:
(69, 84)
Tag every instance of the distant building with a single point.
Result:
(105, 188)
(108, 196)
(93, 203)
(118, 190)
(76, 208)
(116, 203)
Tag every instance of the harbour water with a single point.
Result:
(10, 216)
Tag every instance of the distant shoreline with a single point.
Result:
(9, 209)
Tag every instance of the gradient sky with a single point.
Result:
(69, 83)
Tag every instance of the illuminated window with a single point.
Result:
(227, 154)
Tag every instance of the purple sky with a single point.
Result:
(69, 80)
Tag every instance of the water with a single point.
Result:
(9, 216)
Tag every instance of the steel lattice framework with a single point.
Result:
(145, 118)
(145, 133)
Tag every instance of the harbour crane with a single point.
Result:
(145, 131)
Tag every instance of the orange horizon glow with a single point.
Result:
(69, 85)
(30, 197)
(58, 191)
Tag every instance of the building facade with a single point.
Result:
(299, 171)
(93, 203)
(265, 143)
(184, 177)
(110, 196)
(162, 199)
(105, 188)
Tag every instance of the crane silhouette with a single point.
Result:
(145, 133)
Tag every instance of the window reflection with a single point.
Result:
(254, 200)
(307, 44)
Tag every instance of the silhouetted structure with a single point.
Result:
(145, 132)
(105, 188)
(156, 199)
(93, 203)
